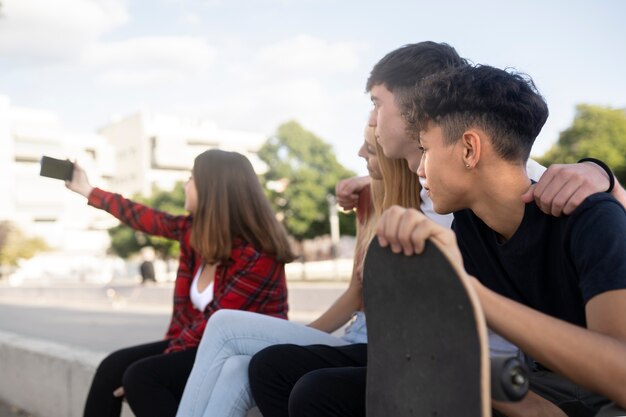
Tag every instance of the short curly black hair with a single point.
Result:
(504, 103)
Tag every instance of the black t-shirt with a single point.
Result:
(551, 264)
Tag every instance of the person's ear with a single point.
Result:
(471, 146)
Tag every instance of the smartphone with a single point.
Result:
(56, 168)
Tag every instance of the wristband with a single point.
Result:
(606, 169)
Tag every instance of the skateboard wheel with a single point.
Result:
(509, 378)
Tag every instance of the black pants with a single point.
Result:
(572, 399)
(318, 380)
(309, 381)
(153, 382)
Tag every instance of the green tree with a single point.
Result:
(302, 172)
(15, 245)
(598, 132)
(125, 241)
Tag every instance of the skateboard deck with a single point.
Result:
(427, 338)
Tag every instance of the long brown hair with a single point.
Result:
(231, 203)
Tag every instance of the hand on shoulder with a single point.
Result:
(347, 191)
(563, 187)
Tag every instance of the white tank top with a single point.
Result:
(200, 299)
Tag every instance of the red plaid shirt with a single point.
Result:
(250, 280)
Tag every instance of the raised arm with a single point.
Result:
(79, 183)
(135, 215)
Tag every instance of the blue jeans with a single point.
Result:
(218, 385)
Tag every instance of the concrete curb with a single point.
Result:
(49, 379)
(45, 378)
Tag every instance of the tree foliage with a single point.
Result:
(307, 168)
(598, 132)
(15, 245)
(125, 241)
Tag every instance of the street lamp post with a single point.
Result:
(333, 216)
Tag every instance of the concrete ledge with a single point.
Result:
(49, 379)
(45, 378)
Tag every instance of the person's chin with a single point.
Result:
(373, 173)
(437, 207)
(442, 208)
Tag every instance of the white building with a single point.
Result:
(157, 150)
(131, 155)
(42, 206)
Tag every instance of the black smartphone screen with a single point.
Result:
(56, 168)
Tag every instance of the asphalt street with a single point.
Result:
(99, 330)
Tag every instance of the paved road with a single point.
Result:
(100, 330)
(90, 318)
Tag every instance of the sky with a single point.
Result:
(254, 64)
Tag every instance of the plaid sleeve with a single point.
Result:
(182, 311)
(253, 282)
(138, 216)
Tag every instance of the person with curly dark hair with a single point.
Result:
(553, 286)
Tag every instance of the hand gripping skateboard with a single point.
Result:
(427, 340)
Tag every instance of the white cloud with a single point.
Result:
(150, 60)
(191, 19)
(307, 53)
(327, 112)
(292, 79)
(137, 78)
(33, 31)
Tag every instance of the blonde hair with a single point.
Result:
(231, 204)
(399, 186)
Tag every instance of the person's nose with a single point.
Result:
(420, 168)
(363, 151)
(372, 119)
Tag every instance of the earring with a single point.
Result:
(466, 165)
